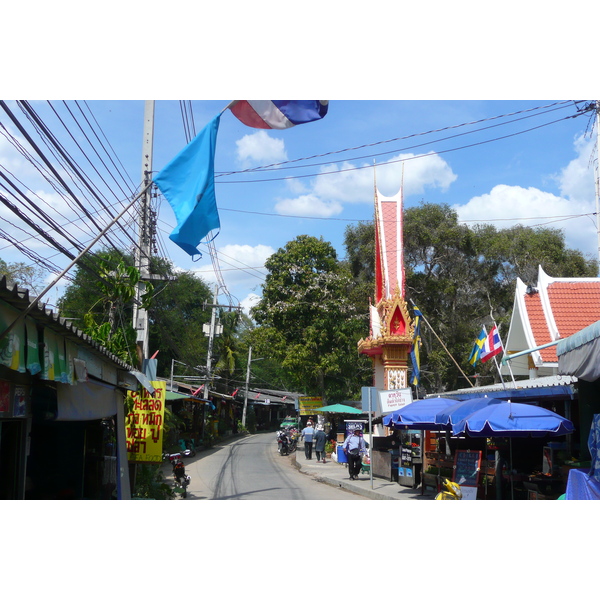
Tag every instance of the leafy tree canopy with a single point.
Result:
(307, 321)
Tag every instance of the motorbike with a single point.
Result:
(451, 491)
(182, 480)
(172, 456)
(286, 442)
(189, 446)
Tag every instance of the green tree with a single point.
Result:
(29, 277)
(307, 322)
(460, 277)
(176, 314)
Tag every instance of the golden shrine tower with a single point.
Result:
(391, 328)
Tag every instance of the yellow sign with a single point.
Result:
(308, 404)
(144, 424)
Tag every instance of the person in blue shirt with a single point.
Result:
(307, 435)
(353, 446)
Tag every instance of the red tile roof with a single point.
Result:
(574, 304)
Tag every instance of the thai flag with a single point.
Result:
(278, 114)
(492, 345)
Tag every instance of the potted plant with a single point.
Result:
(329, 448)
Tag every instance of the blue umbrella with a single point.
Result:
(513, 419)
(457, 412)
(419, 414)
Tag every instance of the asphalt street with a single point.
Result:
(250, 468)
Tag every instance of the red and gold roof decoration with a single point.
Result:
(389, 246)
(395, 326)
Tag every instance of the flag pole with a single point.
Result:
(230, 105)
(446, 349)
(23, 314)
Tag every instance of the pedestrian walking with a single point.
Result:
(320, 439)
(353, 445)
(307, 435)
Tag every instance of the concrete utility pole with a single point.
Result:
(142, 253)
(211, 337)
(247, 384)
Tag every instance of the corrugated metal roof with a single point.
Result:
(19, 298)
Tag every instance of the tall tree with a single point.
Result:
(307, 322)
(175, 316)
(460, 276)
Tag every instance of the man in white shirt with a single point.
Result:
(307, 435)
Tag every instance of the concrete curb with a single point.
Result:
(336, 482)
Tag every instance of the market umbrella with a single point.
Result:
(513, 419)
(419, 414)
(457, 412)
(339, 408)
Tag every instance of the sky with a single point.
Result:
(436, 65)
(503, 162)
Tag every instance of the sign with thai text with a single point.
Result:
(391, 400)
(144, 424)
(308, 404)
(467, 467)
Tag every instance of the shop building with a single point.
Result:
(62, 423)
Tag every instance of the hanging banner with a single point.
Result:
(308, 404)
(144, 424)
(12, 347)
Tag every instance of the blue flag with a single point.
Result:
(415, 353)
(478, 346)
(187, 182)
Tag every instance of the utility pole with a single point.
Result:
(142, 253)
(211, 337)
(247, 384)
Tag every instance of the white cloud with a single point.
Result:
(248, 302)
(347, 184)
(308, 205)
(576, 180)
(506, 206)
(242, 267)
(260, 148)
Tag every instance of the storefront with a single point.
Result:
(62, 429)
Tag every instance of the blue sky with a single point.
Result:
(502, 174)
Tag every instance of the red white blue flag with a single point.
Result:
(278, 114)
(492, 345)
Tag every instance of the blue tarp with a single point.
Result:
(582, 486)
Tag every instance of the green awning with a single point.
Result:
(189, 397)
(340, 408)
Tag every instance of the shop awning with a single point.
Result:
(578, 355)
(187, 397)
(339, 408)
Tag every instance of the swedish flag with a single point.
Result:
(415, 356)
(477, 347)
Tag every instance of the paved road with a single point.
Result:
(250, 468)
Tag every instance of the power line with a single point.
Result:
(277, 166)
(401, 160)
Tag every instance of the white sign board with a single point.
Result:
(391, 400)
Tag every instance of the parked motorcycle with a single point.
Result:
(451, 491)
(188, 445)
(286, 442)
(172, 456)
(181, 479)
